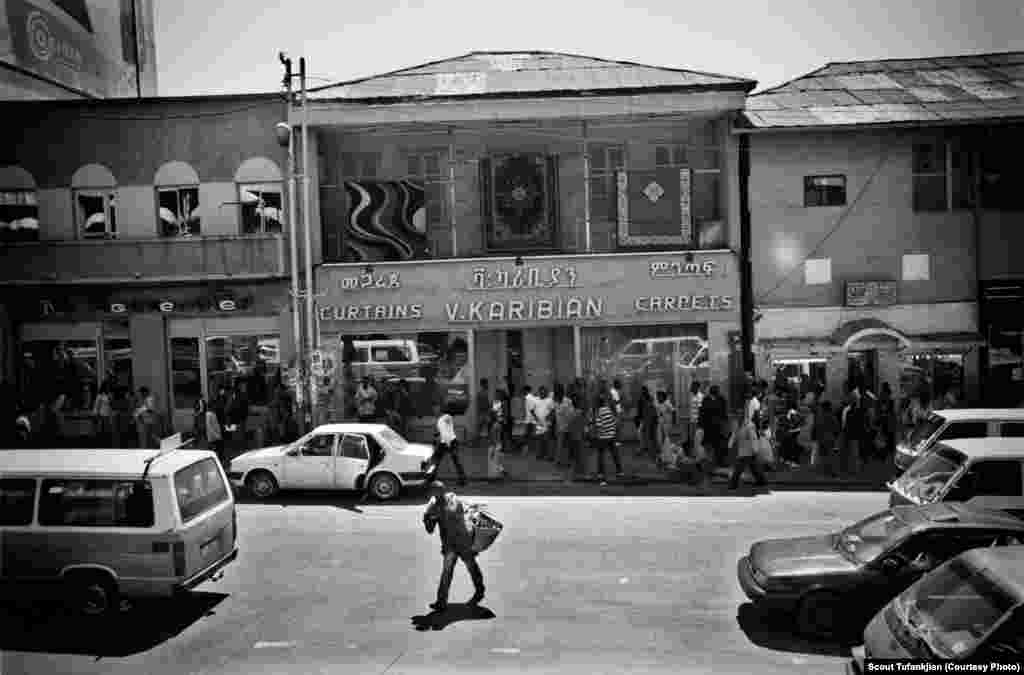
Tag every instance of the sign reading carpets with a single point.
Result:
(567, 290)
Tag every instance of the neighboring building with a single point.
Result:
(881, 193)
(72, 49)
(458, 240)
(160, 256)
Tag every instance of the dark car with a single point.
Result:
(970, 609)
(833, 584)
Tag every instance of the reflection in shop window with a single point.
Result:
(186, 372)
(251, 363)
(52, 367)
(662, 358)
(117, 359)
(434, 365)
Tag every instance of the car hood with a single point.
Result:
(800, 556)
(260, 454)
(420, 450)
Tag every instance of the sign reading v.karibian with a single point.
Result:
(495, 292)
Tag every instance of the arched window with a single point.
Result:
(19, 209)
(177, 194)
(94, 192)
(259, 183)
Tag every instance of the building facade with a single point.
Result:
(159, 259)
(880, 208)
(74, 49)
(529, 218)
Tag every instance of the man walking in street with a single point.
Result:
(606, 424)
(714, 420)
(446, 443)
(447, 512)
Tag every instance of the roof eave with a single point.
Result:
(744, 87)
(744, 129)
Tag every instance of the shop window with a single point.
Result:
(662, 358)
(179, 211)
(818, 271)
(262, 208)
(434, 365)
(605, 161)
(19, 215)
(702, 155)
(246, 364)
(17, 501)
(117, 360)
(1001, 173)
(96, 213)
(916, 267)
(95, 503)
(429, 169)
(54, 367)
(824, 190)
(186, 372)
(943, 175)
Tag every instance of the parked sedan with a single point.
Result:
(835, 583)
(336, 456)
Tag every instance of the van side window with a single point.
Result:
(72, 502)
(17, 501)
(957, 430)
(199, 488)
(998, 478)
(1012, 430)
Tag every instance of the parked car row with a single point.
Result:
(938, 575)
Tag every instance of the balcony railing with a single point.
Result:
(144, 260)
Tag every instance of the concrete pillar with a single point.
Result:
(150, 368)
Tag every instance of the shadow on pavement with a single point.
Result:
(454, 613)
(47, 628)
(774, 630)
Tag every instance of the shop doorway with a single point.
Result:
(515, 374)
(862, 370)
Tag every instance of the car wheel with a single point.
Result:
(261, 484)
(384, 486)
(819, 615)
(92, 594)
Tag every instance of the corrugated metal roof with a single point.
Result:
(936, 89)
(518, 73)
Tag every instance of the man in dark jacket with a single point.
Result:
(447, 512)
(714, 420)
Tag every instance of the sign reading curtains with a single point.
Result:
(387, 220)
(520, 201)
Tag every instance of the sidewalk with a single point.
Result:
(639, 469)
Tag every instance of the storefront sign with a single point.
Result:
(870, 293)
(166, 306)
(118, 308)
(227, 305)
(578, 289)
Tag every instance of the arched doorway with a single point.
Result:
(873, 353)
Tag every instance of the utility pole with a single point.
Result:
(311, 337)
(293, 246)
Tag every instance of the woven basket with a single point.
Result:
(486, 529)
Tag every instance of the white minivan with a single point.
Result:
(102, 524)
(948, 425)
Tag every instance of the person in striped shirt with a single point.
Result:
(606, 428)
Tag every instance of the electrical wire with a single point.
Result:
(835, 228)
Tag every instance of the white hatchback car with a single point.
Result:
(336, 457)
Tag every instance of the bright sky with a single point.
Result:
(231, 46)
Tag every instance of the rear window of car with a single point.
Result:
(17, 501)
(199, 488)
(73, 502)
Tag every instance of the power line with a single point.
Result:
(835, 228)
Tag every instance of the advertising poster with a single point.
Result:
(101, 48)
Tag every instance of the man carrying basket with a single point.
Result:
(465, 531)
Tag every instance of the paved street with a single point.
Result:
(591, 583)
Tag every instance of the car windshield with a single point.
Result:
(392, 438)
(925, 430)
(865, 541)
(929, 475)
(953, 609)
